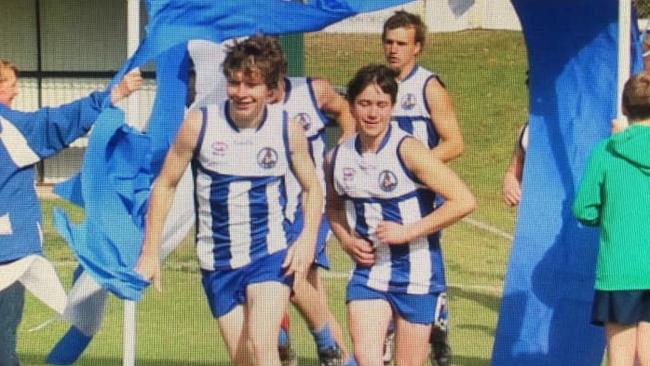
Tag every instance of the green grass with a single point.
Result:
(484, 72)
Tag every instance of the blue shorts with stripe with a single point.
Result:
(413, 308)
(320, 254)
(225, 289)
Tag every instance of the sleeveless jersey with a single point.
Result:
(376, 187)
(240, 190)
(411, 112)
(301, 105)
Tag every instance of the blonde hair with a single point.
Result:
(5, 64)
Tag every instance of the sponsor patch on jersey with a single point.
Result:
(219, 148)
(267, 157)
(387, 181)
(408, 101)
(304, 120)
(348, 174)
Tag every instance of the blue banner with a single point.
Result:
(546, 308)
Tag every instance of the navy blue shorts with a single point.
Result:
(626, 307)
(226, 288)
(418, 309)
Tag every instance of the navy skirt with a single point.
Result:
(626, 307)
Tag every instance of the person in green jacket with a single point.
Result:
(615, 194)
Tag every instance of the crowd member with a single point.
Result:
(425, 110)
(241, 151)
(615, 194)
(511, 188)
(310, 102)
(25, 139)
(382, 184)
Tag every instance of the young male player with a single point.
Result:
(424, 109)
(381, 188)
(241, 150)
(307, 101)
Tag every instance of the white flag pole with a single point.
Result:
(624, 23)
(133, 111)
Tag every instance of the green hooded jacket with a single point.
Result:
(615, 195)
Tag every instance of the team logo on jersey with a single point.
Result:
(408, 101)
(348, 174)
(267, 158)
(219, 148)
(304, 120)
(387, 181)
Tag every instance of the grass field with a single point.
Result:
(484, 71)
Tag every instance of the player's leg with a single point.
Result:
(411, 342)
(225, 292)
(414, 317)
(288, 356)
(621, 342)
(643, 343)
(440, 346)
(267, 297)
(12, 300)
(233, 327)
(266, 304)
(368, 315)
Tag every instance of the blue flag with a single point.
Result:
(546, 307)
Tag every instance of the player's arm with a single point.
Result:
(162, 196)
(301, 253)
(443, 118)
(511, 188)
(359, 250)
(333, 103)
(439, 178)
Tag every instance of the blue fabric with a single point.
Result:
(545, 310)
(44, 133)
(117, 179)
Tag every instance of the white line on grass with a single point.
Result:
(487, 227)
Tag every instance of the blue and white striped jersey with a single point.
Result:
(301, 105)
(377, 187)
(412, 112)
(240, 189)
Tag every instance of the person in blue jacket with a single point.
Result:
(25, 139)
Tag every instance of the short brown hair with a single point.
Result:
(636, 96)
(258, 54)
(5, 64)
(382, 75)
(404, 19)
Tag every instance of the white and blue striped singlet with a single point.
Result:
(376, 187)
(301, 105)
(240, 189)
(412, 112)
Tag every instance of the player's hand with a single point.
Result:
(131, 82)
(299, 259)
(511, 190)
(149, 268)
(361, 251)
(392, 233)
(619, 124)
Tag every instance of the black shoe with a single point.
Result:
(288, 355)
(440, 348)
(330, 357)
